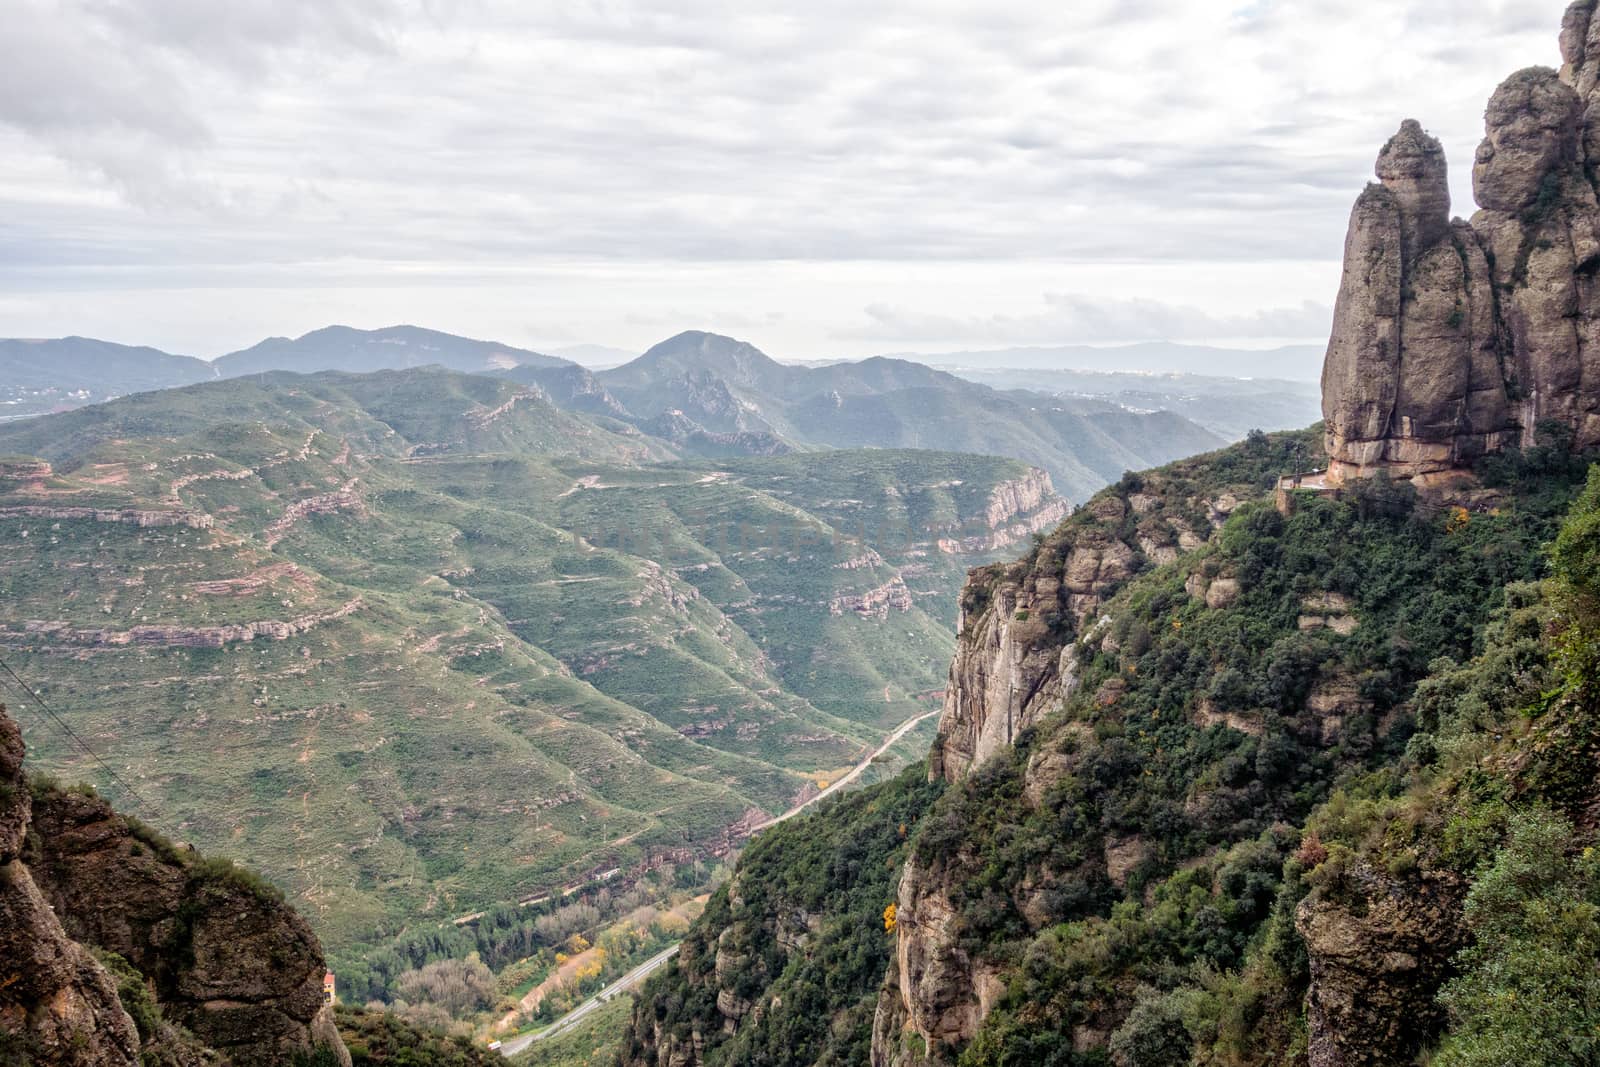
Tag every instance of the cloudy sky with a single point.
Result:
(822, 178)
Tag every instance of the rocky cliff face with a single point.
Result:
(1015, 657)
(1015, 510)
(731, 971)
(235, 972)
(746, 986)
(1023, 629)
(1142, 720)
(57, 1004)
(935, 989)
(1453, 339)
(1379, 951)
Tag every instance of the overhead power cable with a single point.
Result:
(148, 807)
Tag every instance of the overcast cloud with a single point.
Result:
(824, 178)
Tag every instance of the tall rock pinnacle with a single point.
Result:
(1412, 168)
(1413, 330)
(1451, 340)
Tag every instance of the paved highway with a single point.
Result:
(592, 1005)
(650, 966)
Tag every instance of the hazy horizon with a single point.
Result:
(601, 356)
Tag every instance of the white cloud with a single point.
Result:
(355, 142)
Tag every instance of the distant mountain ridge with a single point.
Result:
(43, 375)
(704, 394)
(391, 348)
(1230, 406)
(724, 386)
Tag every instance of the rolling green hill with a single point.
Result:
(724, 386)
(417, 642)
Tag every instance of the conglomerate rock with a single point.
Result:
(1378, 951)
(57, 1004)
(1451, 339)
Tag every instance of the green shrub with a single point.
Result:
(1154, 1033)
(134, 994)
(219, 870)
(1529, 988)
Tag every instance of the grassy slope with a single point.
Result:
(515, 702)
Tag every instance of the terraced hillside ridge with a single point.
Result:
(416, 643)
(1232, 803)
(121, 948)
(713, 397)
(700, 385)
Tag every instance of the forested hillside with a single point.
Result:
(1276, 790)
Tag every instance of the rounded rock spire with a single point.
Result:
(1532, 129)
(1412, 166)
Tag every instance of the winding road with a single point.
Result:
(588, 1007)
(656, 962)
(900, 731)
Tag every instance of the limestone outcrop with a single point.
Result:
(1010, 668)
(1378, 954)
(1455, 339)
(1024, 631)
(1413, 381)
(874, 603)
(1019, 497)
(1017, 652)
(181, 636)
(935, 988)
(235, 973)
(127, 516)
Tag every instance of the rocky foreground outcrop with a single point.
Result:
(213, 965)
(57, 1004)
(1378, 951)
(1453, 339)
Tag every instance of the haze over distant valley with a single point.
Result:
(1206, 387)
